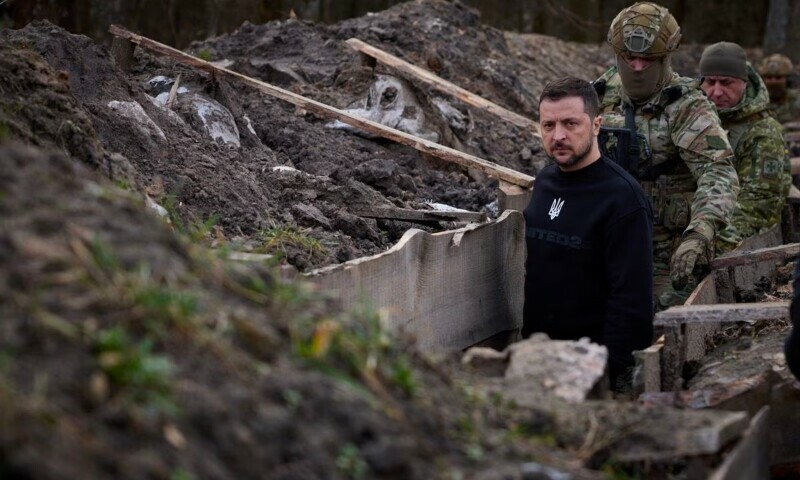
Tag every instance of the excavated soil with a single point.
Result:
(307, 214)
(128, 350)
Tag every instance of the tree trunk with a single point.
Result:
(777, 24)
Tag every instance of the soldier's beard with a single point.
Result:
(642, 85)
(578, 155)
(776, 91)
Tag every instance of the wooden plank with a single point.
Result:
(444, 153)
(647, 375)
(694, 335)
(723, 313)
(411, 215)
(750, 457)
(736, 258)
(450, 290)
(512, 197)
(793, 197)
(795, 161)
(443, 85)
(704, 293)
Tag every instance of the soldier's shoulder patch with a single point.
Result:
(772, 167)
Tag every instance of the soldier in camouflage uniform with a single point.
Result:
(682, 155)
(784, 102)
(760, 158)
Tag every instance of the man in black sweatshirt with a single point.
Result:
(589, 235)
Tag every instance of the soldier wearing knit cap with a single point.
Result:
(761, 163)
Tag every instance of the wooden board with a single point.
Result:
(451, 289)
(737, 258)
(443, 85)
(750, 457)
(647, 375)
(445, 153)
(723, 313)
(795, 162)
(512, 197)
(396, 213)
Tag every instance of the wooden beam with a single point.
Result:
(723, 313)
(795, 161)
(443, 85)
(395, 213)
(445, 153)
(733, 259)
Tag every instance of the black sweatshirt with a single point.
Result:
(590, 264)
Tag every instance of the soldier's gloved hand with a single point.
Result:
(692, 251)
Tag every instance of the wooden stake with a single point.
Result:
(173, 92)
(443, 85)
(445, 153)
(122, 51)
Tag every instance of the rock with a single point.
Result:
(392, 102)
(161, 211)
(537, 471)
(211, 118)
(310, 214)
(567, 369)
(453, 116)
(142, 121)
(526, 154)
(486, 361)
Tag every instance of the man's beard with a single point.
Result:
(577, 156)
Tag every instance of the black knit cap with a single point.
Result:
(724, 59)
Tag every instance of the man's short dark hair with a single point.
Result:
(572, 87)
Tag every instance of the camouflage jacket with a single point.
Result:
(787, 110)
(760, 160)
(694, 184)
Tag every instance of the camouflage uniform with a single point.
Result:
(695, 186)
(761, 163)
(787, 110)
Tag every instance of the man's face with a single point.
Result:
(640, 76)
(568, 134)
(725, 92)
(776, 84)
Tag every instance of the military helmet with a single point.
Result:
(775, 65)
(644, 29)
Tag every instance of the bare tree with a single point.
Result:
(777, 24)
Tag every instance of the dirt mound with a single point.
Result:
(231, 170)
(129, 353)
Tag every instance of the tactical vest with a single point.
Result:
(663, 175)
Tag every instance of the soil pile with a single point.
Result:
(127, 350)
(306, 213)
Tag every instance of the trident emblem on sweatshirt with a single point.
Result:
(555, 208)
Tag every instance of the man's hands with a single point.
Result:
(693, 250)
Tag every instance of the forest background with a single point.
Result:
(768, 24)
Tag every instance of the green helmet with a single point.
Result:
(775, 65)
(644, 29)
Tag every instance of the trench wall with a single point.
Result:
(449, 289)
